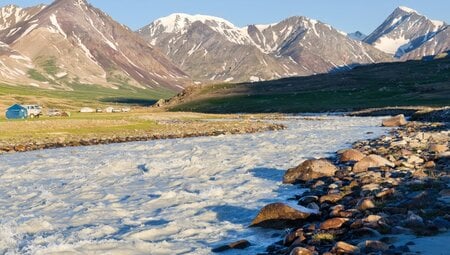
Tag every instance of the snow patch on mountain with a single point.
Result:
(55, 23)
(390, 45)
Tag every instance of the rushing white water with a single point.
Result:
(179, 196)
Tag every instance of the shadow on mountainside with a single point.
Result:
(411, 83)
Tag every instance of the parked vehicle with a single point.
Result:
(54, 113)
(34, 111)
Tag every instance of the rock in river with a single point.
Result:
(396, 121)
(310, 169)
(278, 216)
(242, 244)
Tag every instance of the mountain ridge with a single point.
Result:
(283, 49)
(70, 41)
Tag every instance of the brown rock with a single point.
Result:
(351, 155)
(301, 251)
(385, 193)
(413, 159)
(278, 215)
(372, 219)
(370, 245)
(331, 198)
(345, 248)
(357, 224)
(240, 245)
(336, 210)
(405, 152)
(365, 204)
(293, 236)
(420, 174)
(396, 121)
(310, 169)
(20, 148)
(429, 165)
(371, 161)
(438, 148)
(333, 223)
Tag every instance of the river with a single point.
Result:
(181, 196)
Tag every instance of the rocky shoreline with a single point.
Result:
(183, 131)
(363, 200)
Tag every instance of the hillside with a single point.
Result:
(70, 42)
(392, 84)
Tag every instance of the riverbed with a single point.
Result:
(179, 196)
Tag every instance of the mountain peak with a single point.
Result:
(404, 31)
(179, 22)
(358, 35)
(407, 9)
(84, 2)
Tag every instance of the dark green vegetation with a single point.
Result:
(413, 83)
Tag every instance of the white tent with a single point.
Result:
(87, 110)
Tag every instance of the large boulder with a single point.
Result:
(351, 155)
(310, 169)
(396, 121)
(278, 216)
(371, 161)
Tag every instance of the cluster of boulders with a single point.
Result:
(180, 133)
(355, 203)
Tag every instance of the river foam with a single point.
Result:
(180, 196)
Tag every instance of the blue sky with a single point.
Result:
(346, 15)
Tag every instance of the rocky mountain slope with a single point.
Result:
(407, 34)
(211, 48)
(71, 42)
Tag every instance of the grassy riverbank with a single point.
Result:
(139, 125)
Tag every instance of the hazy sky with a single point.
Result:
(346, 15)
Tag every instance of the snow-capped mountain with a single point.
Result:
(70, 41)
(405, 31)
(211, 48)
(358, 35)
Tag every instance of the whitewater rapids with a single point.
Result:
(181, 196)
